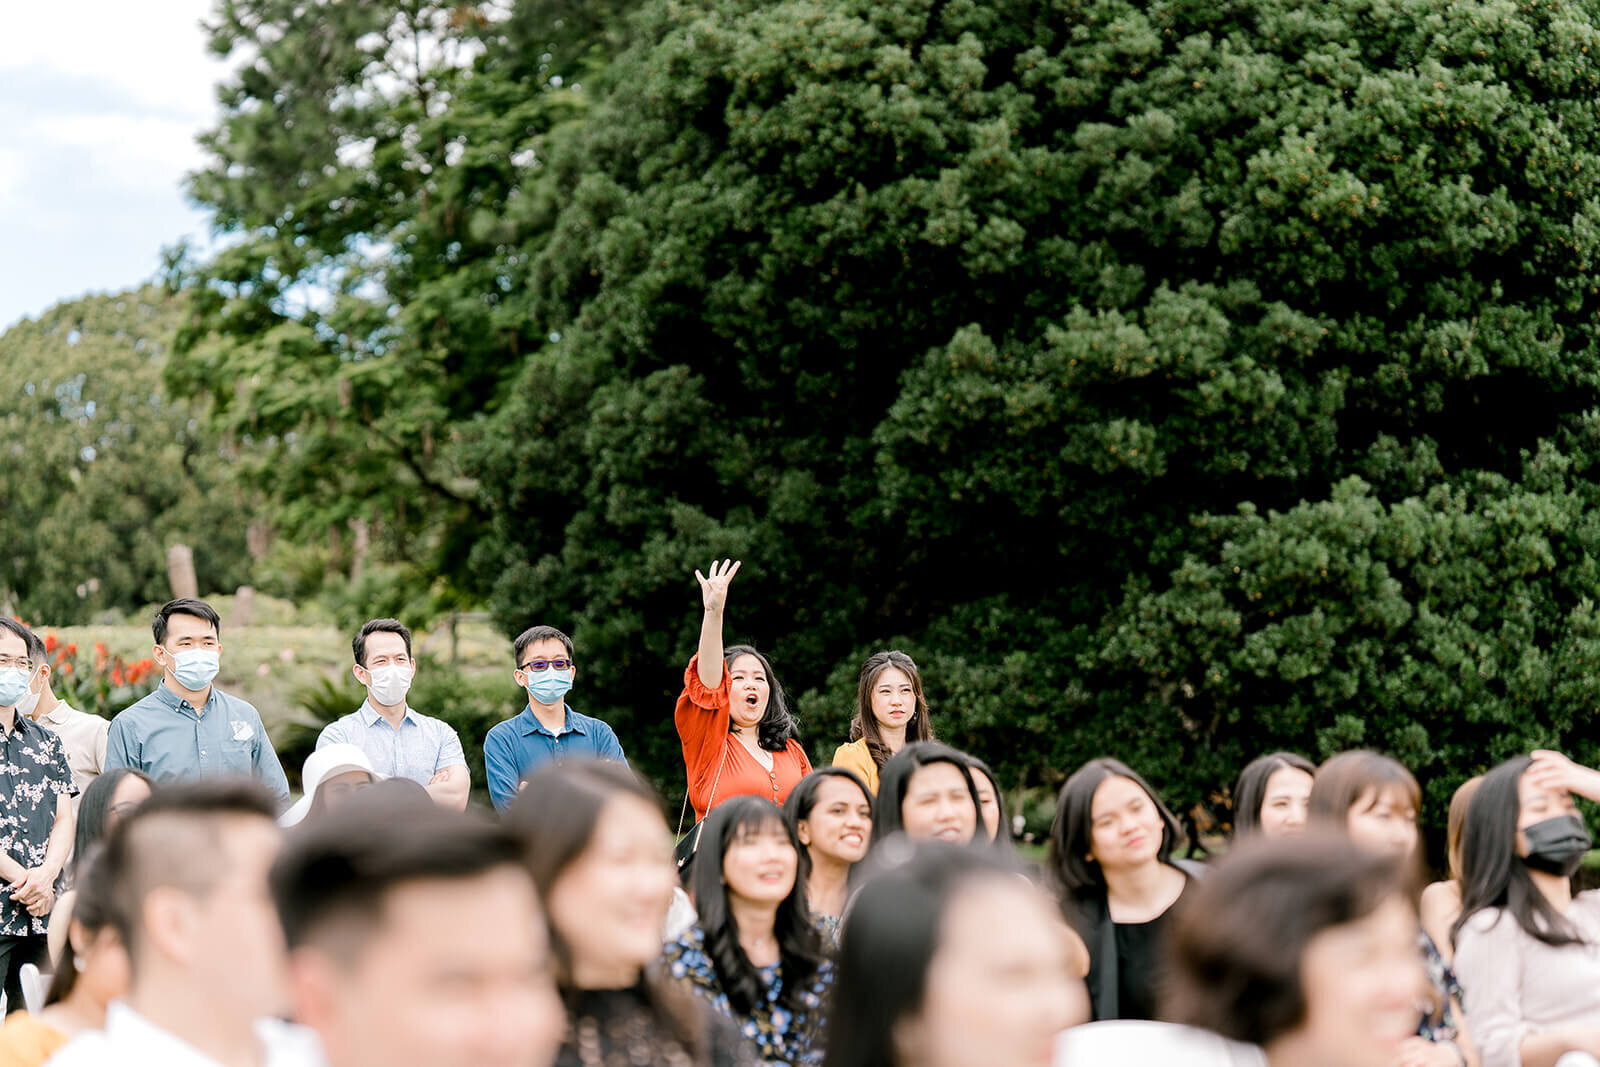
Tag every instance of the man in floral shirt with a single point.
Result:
(36, 823)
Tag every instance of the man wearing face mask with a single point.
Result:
(399, 742)
(36, 823)
(187, 728)
(547, 729)
(83, 736)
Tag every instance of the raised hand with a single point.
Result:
(1552, 770)
(714, 589)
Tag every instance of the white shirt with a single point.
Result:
(131, 1040)
(83, 736)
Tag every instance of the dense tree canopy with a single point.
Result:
(1175, 379)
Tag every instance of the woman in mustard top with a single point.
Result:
(891, 711)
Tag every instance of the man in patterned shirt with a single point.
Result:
(36, 823)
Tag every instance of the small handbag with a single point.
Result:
(689, 842)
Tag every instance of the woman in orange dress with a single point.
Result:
(738, 736)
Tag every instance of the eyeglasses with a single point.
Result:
(545, 664)
(6, 663)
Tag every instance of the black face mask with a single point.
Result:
(1557, 846)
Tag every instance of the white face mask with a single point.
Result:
(29, 701)
(389, 684)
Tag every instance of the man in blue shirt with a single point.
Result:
(400, 742)
(546, 729)
(187, 729)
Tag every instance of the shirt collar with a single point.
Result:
(172, 701)
(369, 715)
(573, 724)
(21, 724)
(58, 713)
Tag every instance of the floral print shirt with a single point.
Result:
(782, 1039)
(33, 774)
(1440, 1024)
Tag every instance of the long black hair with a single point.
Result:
(799, 945)
(890, 938)
(1077, 878)
(887, 817)
(92, 909)
(803, 798)
(865, 724)
(1002, 836)
(1492, 873)
(777, 726)
(555, 814)
(94, 807)
(1251, 790)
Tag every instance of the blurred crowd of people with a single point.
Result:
(164, 903)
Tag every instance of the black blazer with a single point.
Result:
(1100, 937)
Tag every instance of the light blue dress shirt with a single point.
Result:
(166, 738)
(522, 744)
(421, 748)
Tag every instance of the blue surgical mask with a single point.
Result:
(195, 667)
(13, 686)
(549, 685)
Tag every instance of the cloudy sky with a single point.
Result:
(100, 101)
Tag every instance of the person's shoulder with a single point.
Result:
(851, 751)
(90, 1048)
(150, 702)
(1484, 920)
(504, 730)
(237, 705)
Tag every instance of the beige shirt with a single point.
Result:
(1514, 985)
(84, 738)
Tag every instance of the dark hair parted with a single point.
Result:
(799, 945)
(888, 816)
(555, 816)
(1002, 833)
(29, 640)
(865, 724)
(777, 726)
(1079, 879)
(95, 806)
(1343, 780)
(1235, 949)
(535, 634)
(803, 798)
(1493, 874)
(889, 940)
(172, 839)
(330, 881)
(195, 609)
(358, 644)
(1250, 792)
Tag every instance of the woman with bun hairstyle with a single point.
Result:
(890, 713)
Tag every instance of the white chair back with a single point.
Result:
(1136, 1043)
(35, 988)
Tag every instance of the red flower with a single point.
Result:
(66, 668)
(116, 676)
(72, 649)
(50, 642)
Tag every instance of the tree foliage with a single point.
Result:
(1175, 379)
(105, 469)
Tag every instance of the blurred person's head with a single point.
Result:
(830, 812)
(748, 865)
(1514, 828)
(416, 941)
(1108, 819)
(184, 878)
(93, 969)
(889, 698)
(1306, 946)
(332, 775)
(926, 791)
(33, 702)
(106, 801)
(951, 959)
(602, 858)
(1460, 800)
(1372, 798)
(1273, 794)
(991, 802)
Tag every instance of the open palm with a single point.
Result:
(714, 587)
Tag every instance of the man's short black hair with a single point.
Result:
(358, 646)
(330, 880)
(30, 641)
(539, 633)
(184, 605)
(172, 839)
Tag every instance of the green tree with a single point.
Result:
(104, 468)
(1179, 380)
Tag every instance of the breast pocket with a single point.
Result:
(238, 748)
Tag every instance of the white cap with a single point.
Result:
(325, 763)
